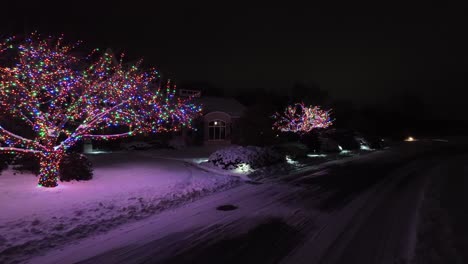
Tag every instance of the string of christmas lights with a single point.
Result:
(299, 118)
(65, 98)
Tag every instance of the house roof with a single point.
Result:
(223, 104)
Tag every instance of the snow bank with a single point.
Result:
(237, 157)
(125, 188)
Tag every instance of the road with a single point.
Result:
(360, 211)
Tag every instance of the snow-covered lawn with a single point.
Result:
(126, 187)
(200, 225)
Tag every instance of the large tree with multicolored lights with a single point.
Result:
(64, 98)
(299, 118)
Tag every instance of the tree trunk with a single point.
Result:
(49, 168)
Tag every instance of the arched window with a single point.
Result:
(217, 130)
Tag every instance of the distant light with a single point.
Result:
(340, 148)
(409, 139)
(216, 123)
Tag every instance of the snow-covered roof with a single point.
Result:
(223, 104)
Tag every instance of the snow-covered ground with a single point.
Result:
(126, 187)
(130, 186)
(354, 198)
(442, 231)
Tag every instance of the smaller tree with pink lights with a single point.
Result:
(65, 98)
(302, 119)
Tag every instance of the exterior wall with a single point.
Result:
(235, 130)
(212, 116)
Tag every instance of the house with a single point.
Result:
(219, 125)
(220, 121)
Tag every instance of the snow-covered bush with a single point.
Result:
(328, 145)
(311, 140)
(346, 138)
(293, 150)
(76, 166)
(376, 142)
(237, 157)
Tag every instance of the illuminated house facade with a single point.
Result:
(219, 124)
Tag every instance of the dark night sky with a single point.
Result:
(363, 53)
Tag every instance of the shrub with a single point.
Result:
(375, 142)
(294, 150)
(76, 166)
(4, 161)
(26, 163)
(345, 138)
(328, 145)
(311, 140)
(237, 157)
(255, 125)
